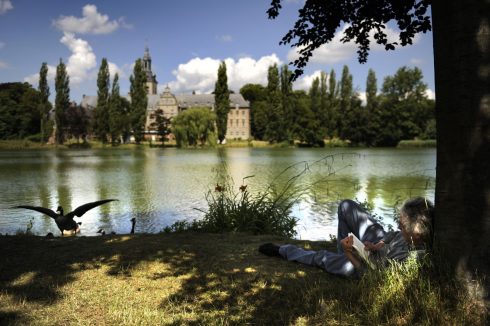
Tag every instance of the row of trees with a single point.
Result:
(114, 118)
(332, 109)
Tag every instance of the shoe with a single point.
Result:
(269, 249)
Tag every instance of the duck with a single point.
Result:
(133, 221)
(66, 222)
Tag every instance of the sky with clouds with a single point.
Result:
(187, 40)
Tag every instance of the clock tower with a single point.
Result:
(151, 79)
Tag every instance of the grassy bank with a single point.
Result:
(200, 279)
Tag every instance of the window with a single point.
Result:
(243, 113)
(243, 122)
(237, 122)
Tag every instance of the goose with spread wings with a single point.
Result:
(66, 222)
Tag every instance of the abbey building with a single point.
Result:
(172, 105)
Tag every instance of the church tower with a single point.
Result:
(151, 79)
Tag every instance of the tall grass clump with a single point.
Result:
(233, 208)
(418, 292)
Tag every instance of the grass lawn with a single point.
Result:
(186, 279)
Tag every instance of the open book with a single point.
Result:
(361, 250)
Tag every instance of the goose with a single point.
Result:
(133, 221)
(66, 222)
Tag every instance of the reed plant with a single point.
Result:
(234, 208)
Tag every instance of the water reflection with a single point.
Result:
(159, 187)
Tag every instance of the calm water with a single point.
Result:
(161, 186)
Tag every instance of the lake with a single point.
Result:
(161, 186)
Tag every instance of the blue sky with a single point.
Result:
(187, 40)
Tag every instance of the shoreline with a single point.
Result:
(20, 145)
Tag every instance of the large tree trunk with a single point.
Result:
(462, 75)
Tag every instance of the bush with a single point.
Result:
(34, 138)
(231, 210)
(417, 143)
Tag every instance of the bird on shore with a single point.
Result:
(133, 221)
(102, 232)
(66, 222)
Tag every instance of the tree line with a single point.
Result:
(330, 109)
(27, 112)
(334, 109)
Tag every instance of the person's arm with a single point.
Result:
(374, 247)
(347, 243)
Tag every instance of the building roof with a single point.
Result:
(207, 100)
(183, 100)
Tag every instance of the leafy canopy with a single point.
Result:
(318, 21)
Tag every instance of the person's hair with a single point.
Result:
(416, 215)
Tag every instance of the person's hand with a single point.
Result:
(374, 247)
(347, 243)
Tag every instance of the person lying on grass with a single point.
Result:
(414, 222)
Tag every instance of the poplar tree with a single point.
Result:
(221, 102)
(324, 117)
(333, 110)
(44, 106)
(117, 117)
(62, 100)
(372, 112)
(287, 102)
(139, 101)
(346, 91)
(274, 131)
(315, 135)
(101, 112)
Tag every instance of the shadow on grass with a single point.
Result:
(223, 276)
(191, 279)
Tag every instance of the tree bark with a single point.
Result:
(461, 31)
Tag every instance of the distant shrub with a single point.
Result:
(34, 138)
(417, 143)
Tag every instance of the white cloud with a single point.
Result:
(92, 22)
(224, 38)
(305, 81)
(3, 65)
(5, 5)
(34, 78)
(430, 94)
(362, 96)
(82, 59)
(113, 68)
(200, 74)
(337, 51)
(416, 61)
